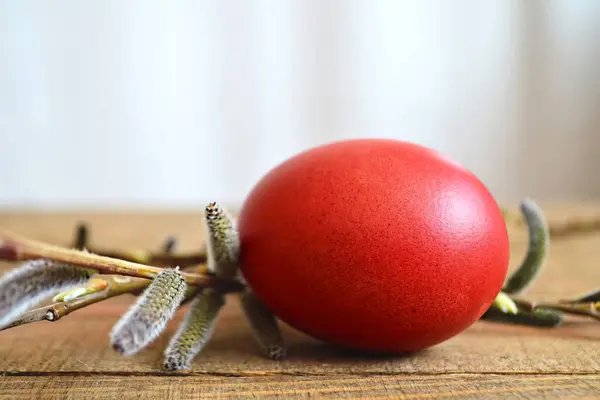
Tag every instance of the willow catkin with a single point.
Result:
(223, 256)
(223, 242)
(264, 325)
(539, 242)
(223, 260)
(147, 318)
(195, 331)
(32, 282)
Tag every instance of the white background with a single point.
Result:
(173, 104)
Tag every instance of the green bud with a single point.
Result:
(92, 286)
(505, 304)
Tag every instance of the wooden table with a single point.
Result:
(72, 358)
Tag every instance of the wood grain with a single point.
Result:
(72, 357)
(347, 386)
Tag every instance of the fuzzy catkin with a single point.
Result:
(223, 242)
(539, 241)
(195, 331)
(264, 325)
(147, 318)
(32, 282)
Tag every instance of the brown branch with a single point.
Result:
(169, 245)
(590, 310)
(36, 315)
(589, 297)
(115, 286)
(165, 257)
(14, 247)
(151, 258)
(81, 237)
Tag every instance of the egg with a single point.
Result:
(375, 245)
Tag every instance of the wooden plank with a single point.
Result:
(72, 357)
(79, 343)
(463, 386)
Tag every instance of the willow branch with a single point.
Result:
(14, 247)
(116, 286)
(591, 310)
(165, 257)
(590, 297)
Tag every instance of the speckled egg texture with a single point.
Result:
(374, 244)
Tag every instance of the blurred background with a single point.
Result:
(170, 105)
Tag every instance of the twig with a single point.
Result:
(588, 310)
(169, 245)
(589, 297)
(117, 285)
(81, 237)
(14, 247)
(163, 258)
(584, 309)
(147, 257)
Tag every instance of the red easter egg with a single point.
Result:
(374, 244)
